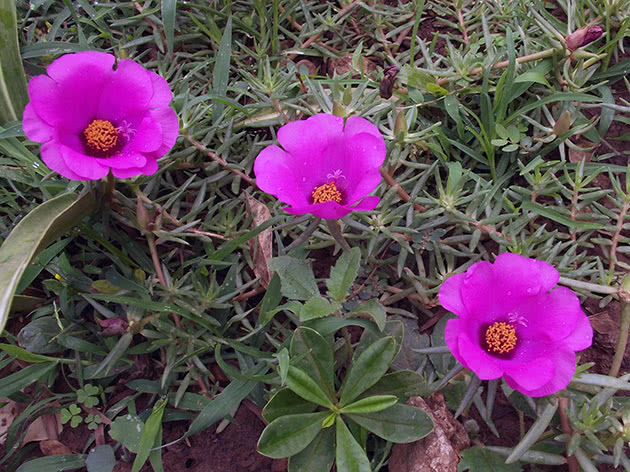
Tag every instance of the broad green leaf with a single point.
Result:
(25, 303)
(402, 383)
(399, 424)
(288, 435)
(371, 404)
(101, 459)
(39, 336)
(368, 368)
(312, 353)
(298, 281)
(151, 429)
(13, 91)
(372, 309)
(221, 72)
(57, 463)
(318, 456)
(38, 229)
(303, 385)
(317, 308)
(343, 273)
(478, 459)
(285, 402)
(24, 377)
(349, 455)
(331, 324)
(226, 401)
(128, 430)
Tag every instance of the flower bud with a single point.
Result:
(583, 36)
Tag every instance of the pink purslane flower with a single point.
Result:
(325, 166)
(514, 324)
(93, 118)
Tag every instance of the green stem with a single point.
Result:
(335, 231)
(588, 286)
(624, 326)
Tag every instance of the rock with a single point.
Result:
(437, 452)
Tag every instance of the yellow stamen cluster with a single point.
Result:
(101, 136)
(326, 193)
(501, 337)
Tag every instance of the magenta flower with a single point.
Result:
(514, 323)
(92, 118)
(325, 168)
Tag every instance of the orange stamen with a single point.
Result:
(501, 337)
(326, 193)
(101, 136)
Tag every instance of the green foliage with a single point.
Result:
(477, 459)
(297, 432)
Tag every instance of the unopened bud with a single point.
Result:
(583, 36)
(387, 85)
(400, 126)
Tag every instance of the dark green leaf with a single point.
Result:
(318, 456)
(349, 455)
(298, 281)
(151, 429)
(368, 368)
(57, 463)
(169, 10)
(303, 385)
(370, 404)
(478, 459)
(101, 459)
(317, 307)
(221, 73)
(285, 402)
(13, 92)
(372, 309)
(312, 353)
(288, 435)
(399, 424)
(402, 383)
(343, 273)
(38, 336)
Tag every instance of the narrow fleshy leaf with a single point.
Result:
(13, 91)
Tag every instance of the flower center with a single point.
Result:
(326, 193)
(101, 137)
(500, 337)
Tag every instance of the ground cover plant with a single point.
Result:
(298, 235)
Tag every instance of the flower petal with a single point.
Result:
(367, 204)
(308, 138)
(162, 94)
(34, 127)
(51, 156)
(530, 375)
(450, 295)
(81, 63)
(451, 336)
(357, 124)
(148, 137)
(550, 316)
(169, 123)
(129, 160)
(326, 210)
(582, 337)
(533, 275)
(84, 166)
(150, 168)
(564, 363)
(477, 360)
(274, 175)
(127, 93)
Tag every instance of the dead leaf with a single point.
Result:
(112, 326)
(343, 64)
(586, 155)
(7, 414)
(262, 246)
(52, 447)
(44, 428)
